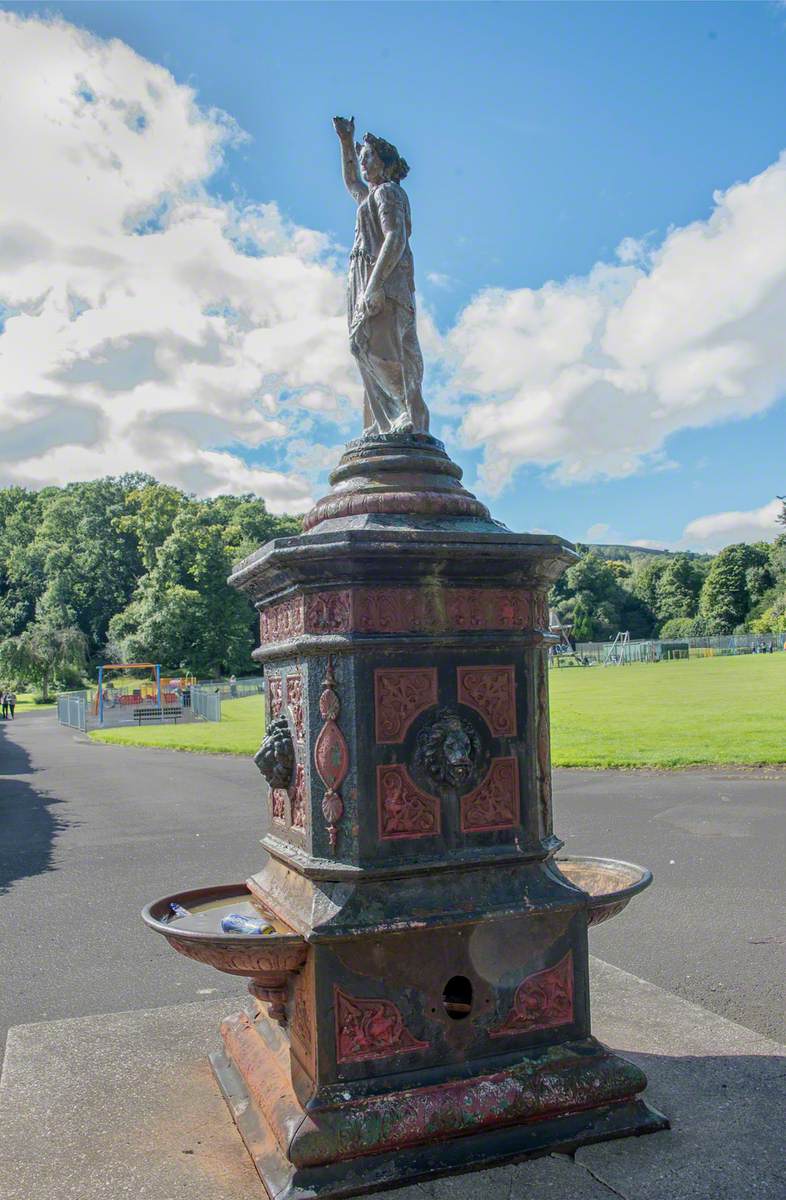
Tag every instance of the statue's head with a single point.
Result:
(380, 161)
(449, 749)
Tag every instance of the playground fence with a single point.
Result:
(206, 702)
(249, 685)
(72, 710)
(660, 650)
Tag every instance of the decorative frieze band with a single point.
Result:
(404, 610)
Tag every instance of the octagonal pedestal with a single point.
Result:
(440, 1019)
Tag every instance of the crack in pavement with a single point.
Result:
(603, 1182)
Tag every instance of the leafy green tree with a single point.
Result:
(677, 588)
(41, 652)
(647, 578)
(725, 599)
(583, 625)
(149, 515)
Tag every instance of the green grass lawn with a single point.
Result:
(671, 714)
(239, 731)
(25, 702)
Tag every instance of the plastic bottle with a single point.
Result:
(237, 923)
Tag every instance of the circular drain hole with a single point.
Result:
(457, 997)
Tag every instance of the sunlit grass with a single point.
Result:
(670, 714)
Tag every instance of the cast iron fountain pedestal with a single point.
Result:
(431, 1013)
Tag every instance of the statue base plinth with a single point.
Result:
(344, 1144)
(403, 474)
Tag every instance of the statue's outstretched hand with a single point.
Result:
(344, 127)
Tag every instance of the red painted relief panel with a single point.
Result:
(331, 755)
(329, 612)
(297, 796)
(282, 621)
(491, 691)
(415, 610)
(400, 695)
(543, 1001)
(278, 804)
(403, 610)
(275, 690)
(368, 1029)
(295, 705)
(404, 810)
(494, 804)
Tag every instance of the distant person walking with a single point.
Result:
(12, 703)
(4, 704)
(233, 685)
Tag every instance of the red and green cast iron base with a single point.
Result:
(551, 1100)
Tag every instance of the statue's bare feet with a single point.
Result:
(402, 424)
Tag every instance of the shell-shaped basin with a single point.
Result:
(610, 884)
(264, 958)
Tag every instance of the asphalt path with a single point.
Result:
(89, 833)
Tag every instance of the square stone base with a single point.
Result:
(556, 1099)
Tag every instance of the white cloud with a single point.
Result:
(596, 533)
(151, 326)
(439, 279)
(717, 530)
(588, 378)
(148, 326)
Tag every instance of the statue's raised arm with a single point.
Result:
(345, 128)
(381, 287)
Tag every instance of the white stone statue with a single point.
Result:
(381, 286)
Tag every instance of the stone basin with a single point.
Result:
(266, 960)
(609, 883)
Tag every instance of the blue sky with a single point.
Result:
(539, 137)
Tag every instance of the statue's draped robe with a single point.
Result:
(386, 345)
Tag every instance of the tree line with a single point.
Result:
(125, 569)
(129, 569)
(664, 595)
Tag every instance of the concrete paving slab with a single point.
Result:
(99, 1108)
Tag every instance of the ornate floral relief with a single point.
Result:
(297, 797)
(295, 705)
(331, 755)
(491, 691)
(278, 805)
(404, 810)
(402, 610)
(542, 1001)
(417, 610)
(544, 748)
(540, 611)
(494, 804)
(275, 691)
(328, 612)
(369, 1029)
(281, 621)
(400, 695)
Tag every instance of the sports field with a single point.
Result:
(661, 714)
(670, 714)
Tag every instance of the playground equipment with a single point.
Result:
(618, 650)
(563, 652)
(136, 697)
